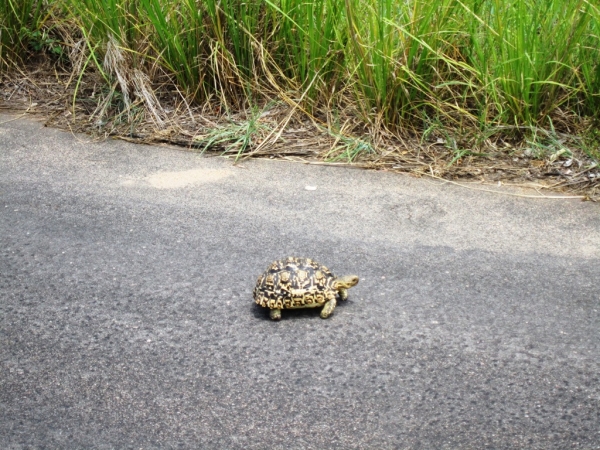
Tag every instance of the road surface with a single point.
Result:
(127, 318)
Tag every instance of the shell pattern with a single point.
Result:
(295, 283)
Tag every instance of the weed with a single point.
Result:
(236, 137)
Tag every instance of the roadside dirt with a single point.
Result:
(80, 105)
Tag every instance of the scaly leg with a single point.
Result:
(275, 314)
(343, 294)
(328, 308)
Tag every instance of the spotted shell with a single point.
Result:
(295, 283)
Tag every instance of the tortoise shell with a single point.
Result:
(295, 283)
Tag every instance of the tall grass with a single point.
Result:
(201, 44)
(178, 41)
(398, 63)
(19, 20)
(309, 44)
(399, 52)
(586, 57)
(525, 56)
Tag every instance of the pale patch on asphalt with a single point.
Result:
(181, 179)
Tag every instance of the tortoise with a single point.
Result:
(293, 283)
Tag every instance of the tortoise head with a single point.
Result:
(346, 282)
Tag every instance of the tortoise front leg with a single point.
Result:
(275, 314)
(328, 308)
(343, 294)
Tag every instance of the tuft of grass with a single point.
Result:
(235, 138)
(348, 148)
(547, 144)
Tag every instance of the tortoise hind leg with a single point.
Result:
(328, 308)
(275, 314)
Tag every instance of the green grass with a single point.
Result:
(523, 53)
(236, 137)
(20, 25)
(467, 65)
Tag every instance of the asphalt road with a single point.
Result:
(127, 318)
